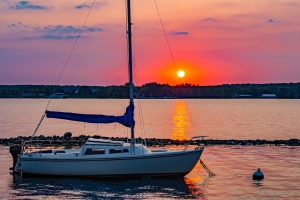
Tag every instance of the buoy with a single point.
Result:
(258, 175)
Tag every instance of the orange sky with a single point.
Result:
(214, 42)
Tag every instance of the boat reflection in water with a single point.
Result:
(181, 121)
(95, 188)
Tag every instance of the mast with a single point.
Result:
(129, 36)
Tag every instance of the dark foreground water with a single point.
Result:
(234, 166)
(176, 119)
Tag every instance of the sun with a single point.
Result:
(180, 74)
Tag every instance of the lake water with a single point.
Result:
(233, 165)
(176, 119)
(219, 119)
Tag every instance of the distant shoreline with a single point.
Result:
(156, 91)
(152, 98)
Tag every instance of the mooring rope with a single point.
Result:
(206, 168)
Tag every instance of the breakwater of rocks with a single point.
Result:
(80, 140)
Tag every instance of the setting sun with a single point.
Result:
(180, 73)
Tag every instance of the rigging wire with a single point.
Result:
(143, 135)
(66, 63)
(163, 27)
(164, 30)
(135, 74)
(201, 162)
(142, 122)
(38, 125)
(125, 130)
(73, 47)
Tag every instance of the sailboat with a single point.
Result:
(98, 157)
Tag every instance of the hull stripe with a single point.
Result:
(85, 159)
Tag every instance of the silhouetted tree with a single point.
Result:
(85, 90)
(103, 92)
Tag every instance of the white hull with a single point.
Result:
(156, 164)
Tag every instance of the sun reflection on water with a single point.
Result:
(181, 121)
(192, 186)
(193, 180)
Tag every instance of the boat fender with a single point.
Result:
(67, 135)
(258, 175)
(14, 151)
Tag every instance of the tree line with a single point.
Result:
(154, 90)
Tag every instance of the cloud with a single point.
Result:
(181, 33)
(60, 32)
(12, 25)
(81, 6)
(51, 37)
(6, 1)
(60, 29)
(88, 5)
(37, 28)
(294, 4)
(273, 21)
(56, 37)
(92, 29)
(4, 4)
(18, 26)
(23, 31)
(209, 19)
(208, 22)
(23, 5)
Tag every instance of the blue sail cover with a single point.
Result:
(127, 119)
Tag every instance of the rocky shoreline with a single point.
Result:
(80, 140)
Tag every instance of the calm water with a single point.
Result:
(219, 119)
(234, 166)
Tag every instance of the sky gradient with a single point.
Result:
(214, 42)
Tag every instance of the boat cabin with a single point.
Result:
(107, 147)
(94, 148)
